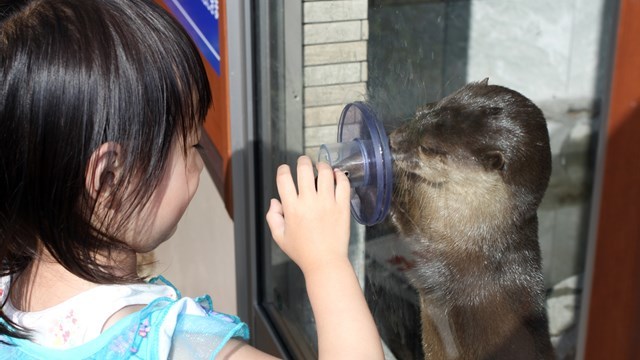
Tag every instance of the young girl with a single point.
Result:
(101, 103)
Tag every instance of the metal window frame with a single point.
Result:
(252, 141)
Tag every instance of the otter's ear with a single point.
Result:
(493, 160)
(484, 82)
(103, 169)
(425, 108)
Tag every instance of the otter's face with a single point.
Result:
(469, 165)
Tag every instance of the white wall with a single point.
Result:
(200, 258)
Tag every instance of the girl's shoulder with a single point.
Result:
(166, 328)
(197, 330)
(82, 317)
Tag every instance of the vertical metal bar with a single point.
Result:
(269, 137)
(293, 34)
(607, 49)
(242, 140)
(258, 145)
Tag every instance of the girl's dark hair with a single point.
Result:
(76, 74)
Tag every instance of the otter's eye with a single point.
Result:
(493, 160)
(430, 151)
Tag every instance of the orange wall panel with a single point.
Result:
(613, 329)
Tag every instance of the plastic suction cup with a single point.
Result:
(363, 153)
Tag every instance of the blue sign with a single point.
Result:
(200, 19)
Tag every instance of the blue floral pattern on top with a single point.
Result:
(165, 329)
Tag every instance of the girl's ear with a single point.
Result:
(103, 170)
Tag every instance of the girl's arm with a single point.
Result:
(312, 227)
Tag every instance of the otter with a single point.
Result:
(470, 171)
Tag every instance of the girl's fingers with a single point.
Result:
(275, 220)
(326, 180)
(343, 187)
(306, 178)
(284, 182)
(275, 208)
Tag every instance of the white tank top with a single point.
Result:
(81, 318)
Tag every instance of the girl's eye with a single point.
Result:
(199, 147)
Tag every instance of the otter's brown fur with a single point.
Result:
(470, 172)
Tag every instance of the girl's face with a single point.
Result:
(158, 220)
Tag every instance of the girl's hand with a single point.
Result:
(311, 225)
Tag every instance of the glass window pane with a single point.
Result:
(398, 55)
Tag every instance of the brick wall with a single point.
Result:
(335, 65)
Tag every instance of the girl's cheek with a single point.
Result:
(197, 164)
(194, 169)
